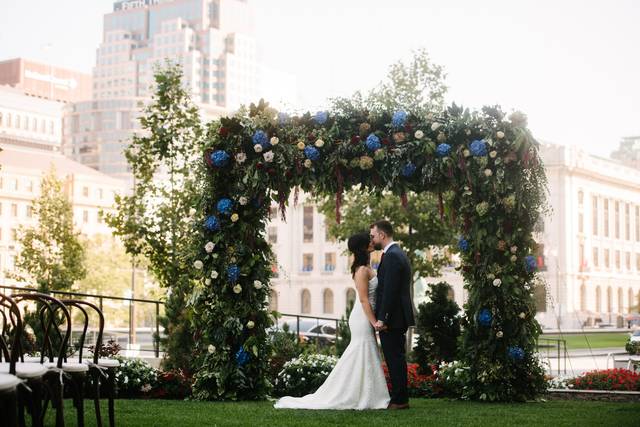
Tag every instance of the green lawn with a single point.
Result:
(423, 412)
(596, 340)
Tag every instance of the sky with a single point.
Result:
(572, 66)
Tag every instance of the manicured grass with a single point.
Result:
(423, 412)
(596, 340)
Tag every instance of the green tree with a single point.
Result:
(51, 253)
(628, 152)
(154, 222)
(438, 327)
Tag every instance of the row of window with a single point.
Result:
(307, 226)
(606, 259)
(24, 122)
(329, 262)
(608, 307)
(327, 300)
(14, 210)
(28, 185)
(622, 215)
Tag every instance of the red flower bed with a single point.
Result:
(609, 379)
(419, 385)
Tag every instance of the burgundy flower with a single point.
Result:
(259, 166)
(355, 139)
(271, 171)
(223, 132)
(385, 141)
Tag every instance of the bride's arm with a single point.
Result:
(362, 286)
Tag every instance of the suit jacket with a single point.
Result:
(393, 295)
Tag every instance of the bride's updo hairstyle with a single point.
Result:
(358, 245)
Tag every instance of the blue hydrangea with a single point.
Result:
(220, 158)
(321, 117)
(408, 170)
(398, 119)
(212, 223)
(478, 148)
(485, 317)
(373, 142)
(516, 353)
(463, 244)
(233, 273)
(242, 357)
(260, 137)
(530, 263)
(283, 118)
(224, 206)
(443, 150)
(311, 153)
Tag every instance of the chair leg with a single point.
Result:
(22, 397)
(77, 381)
(96, 397)
(37, 387)
(111, 387)
(9, 406)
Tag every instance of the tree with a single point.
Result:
(52, 254)
(154, 221)
(438, 327)
(628, 152)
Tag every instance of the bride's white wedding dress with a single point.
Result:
(357, 381)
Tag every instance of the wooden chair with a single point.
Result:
(9, 382)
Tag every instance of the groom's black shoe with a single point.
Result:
(398, 406)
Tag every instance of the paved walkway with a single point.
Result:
(583, 360)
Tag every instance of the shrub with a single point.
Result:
(607, 379)
(285, 346)
(343, 334)
(419, 385)
(135, 377)
(172, 385)
(453, 378)
(304, 374)
(632, 348)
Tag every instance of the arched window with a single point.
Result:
(327, 301)
(620, 301)
(583, 297)
(598, 300)
(305, 302)
(273, 300)
(609, 300)
(630, 302)
(351, 296)
(451, 294)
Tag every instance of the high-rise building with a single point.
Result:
(212, 40)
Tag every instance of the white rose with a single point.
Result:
(499, 334)
(491, 276)
(257, 284)
(319, 143)
(435, 126)
(302, 379)
(257, 148)
(500, 134)
(488, 172)
(207, 281)
(209, 247)
(274, 140)
(237, 289)
(493, 154)
(419, 134)
(192, 212)
(250, 324)
(497, 282)
(243, 200)
(308, 163)
(513, 249)
(241, 157)
(466, 152)
(522, 315)
(214, 274)
(513, 258)
(211, 348)
(198, 264)
(268, 157)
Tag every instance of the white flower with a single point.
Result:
(274, 140)
(257, 148)
(211, 348)
(493, 154)
(237, 289)
(207, 281)
(319, 143)
(235, 217)
(513, 249)
(192, 212)
(241, 157)
(419, 134)
(435, 126)
(300, 145)
(466, 152)
(500, 134)
(522, 315)
(491, 276)
(198, 264)
(209, 247)
(497, 283)
(214, 274)
(303, 379)
(145, 388)
(527, 287)
(268, 156)
(308, 163)
(499, 334)
(233, 260)
(488, 172)
(513, 258)
(257, 284)
(250, 324)
(243, 200)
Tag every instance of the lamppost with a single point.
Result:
(555, 254)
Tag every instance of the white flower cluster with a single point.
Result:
(560, 382)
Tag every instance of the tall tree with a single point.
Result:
(628, 152)
(154, 221)
(51, 252)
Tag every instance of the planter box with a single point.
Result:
(603, 395)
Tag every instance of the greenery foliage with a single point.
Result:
(135, 377)
(343, 334)
(303, 375)
(285, 346)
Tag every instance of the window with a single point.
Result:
(627, 261)
(583, 297)
(609, 300)
(307, 262)
(327, 301)
(330, 261)
(580, 198)
(598, 300)
(14, 209)
(629, 300)
(595, 257)
(580, 222)
(620, 301)
(100, 193)
(606, 258)
(351, 297)
(627, 222)
(307, 224)
(14, 235)
(637, 223)
(85, 216)
(606, 218)
(273, 300)
(305, 302)
(85, 191)
(15, 185)
(273, 213)
(594, 215)
(618, 260)
(30, 186)
(617, 219)
(272, 232)
(638, 262)
(29, 211)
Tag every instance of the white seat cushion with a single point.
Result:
(108, 363)
(8, 382)
(32, 359)
(69, 367)
(25, 370)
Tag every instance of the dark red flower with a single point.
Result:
(259, 166)
(223, 131)
(288, 174)
(271, 171)
(385, 141)
(408, 128)
(355, 139)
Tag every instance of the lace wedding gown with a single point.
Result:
(357, 381)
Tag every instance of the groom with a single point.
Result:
(394, 309)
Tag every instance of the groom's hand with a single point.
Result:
(380, 326)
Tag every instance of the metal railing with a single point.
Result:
(317, 332)
(554, 347)
(111, 331)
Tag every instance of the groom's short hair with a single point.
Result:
(385, 226)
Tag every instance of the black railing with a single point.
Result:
(322, 331)
(554, 347)
(132, 330)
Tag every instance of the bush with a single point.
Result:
(453, 378)
(303, 375)
(343, 334)
(135, 377)
(108, 350)
(172, 385)
(607, 379)
(438, 327)
(632, 348)
(419, 385)
(285, 346)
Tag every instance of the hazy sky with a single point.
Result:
(572, 66)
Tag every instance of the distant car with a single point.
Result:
(635, 336)
(321, 331)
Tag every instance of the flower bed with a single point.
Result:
(304, 374)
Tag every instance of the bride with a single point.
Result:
(357, 381)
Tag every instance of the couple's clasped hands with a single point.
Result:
(379, 326)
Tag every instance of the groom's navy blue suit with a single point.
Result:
(395, 308)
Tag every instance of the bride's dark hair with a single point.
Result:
(358, 245)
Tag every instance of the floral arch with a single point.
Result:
(490, 182)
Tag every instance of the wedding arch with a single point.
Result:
(483, 166)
